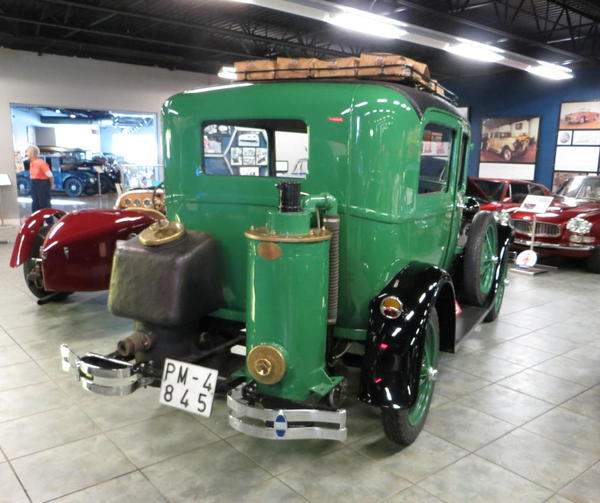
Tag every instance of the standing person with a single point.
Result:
(41, 179)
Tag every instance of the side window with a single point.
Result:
(462, 167)
(276, 148)
(436, 153)
(519, 191)
(534, 189)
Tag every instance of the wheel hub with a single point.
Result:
(432, 374)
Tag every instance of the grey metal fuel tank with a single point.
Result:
(170, 285)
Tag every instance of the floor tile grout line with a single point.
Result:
(16, 475)
(90, 486)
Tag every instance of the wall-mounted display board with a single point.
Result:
(509, 147)
(577, 141)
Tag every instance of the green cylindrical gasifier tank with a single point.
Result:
(286, 325)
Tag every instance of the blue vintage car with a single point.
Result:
(67, 178)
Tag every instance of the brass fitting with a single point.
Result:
(266, 364)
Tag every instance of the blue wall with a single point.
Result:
(517, 94)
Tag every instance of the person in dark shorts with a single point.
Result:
(42, 180)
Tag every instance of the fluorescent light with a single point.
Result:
(475, 50)
(72, 116)
(550, 71)
(227, 72)
(363, 23)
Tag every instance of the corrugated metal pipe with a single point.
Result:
(327, 204)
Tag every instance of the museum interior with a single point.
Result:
(300, 250)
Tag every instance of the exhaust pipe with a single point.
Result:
(138, 341)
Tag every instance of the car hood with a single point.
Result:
(563, 209)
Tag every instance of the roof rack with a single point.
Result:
(398, 73)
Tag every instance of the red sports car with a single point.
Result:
(63, 253)
(570, 227)
(581, 117)
(495, 194)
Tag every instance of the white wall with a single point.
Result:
(58, 81)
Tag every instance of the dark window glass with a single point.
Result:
(519, 192)
(492, 190)
(277, 148)
(534, 189)
(436, 153)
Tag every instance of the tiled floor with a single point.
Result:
(516, 417)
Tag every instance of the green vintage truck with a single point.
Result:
(313, 226)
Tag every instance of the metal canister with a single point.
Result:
(286, 316)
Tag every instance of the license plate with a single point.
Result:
(188, 387)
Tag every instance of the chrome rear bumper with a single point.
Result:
(102, 375)
(284, 424)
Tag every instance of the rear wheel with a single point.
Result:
(32, 269)
(480, 260)
(73, 187)
(403, 426)
(499, 296)
(23, 186)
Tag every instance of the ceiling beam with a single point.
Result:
(198, 27)
(495, 31)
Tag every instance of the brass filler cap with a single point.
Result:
(266, 364)
(161, 232)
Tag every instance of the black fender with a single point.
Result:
(394, 348)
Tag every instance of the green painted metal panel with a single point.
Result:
(369, 161)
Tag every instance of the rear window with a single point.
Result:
(276, 148)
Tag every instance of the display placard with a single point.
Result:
(536, 204)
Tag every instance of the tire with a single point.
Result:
(582, 120)
(402, 426)
(73, 187)
(36, 286)
(506, 154)
(593, 262)
(479, 265)
(499, 296)
(23, 186)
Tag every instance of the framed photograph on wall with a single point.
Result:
(580, 115)
(509, 147)
(578, 138)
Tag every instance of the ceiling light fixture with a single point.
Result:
(367, 24)
(387, 27)
(476, 51)
(550, 71)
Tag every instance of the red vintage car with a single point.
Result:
(496, 194)
(581, 117)
(570, 227)
(63, 253)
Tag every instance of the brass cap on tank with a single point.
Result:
(161, 232)
(266, 364)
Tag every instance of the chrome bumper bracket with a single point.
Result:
(102, 375)
(284, 424)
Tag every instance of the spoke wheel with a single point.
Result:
(499, 295)
(32, 268)
(480, 260)
(403, 426)
(417, 412)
